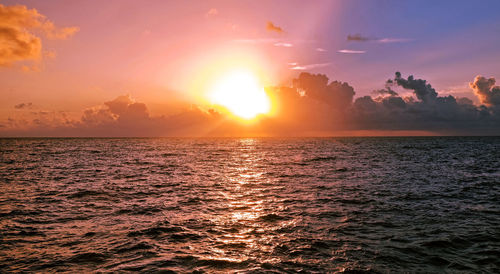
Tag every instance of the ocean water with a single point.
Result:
(352, 205)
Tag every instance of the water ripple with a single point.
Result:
(350, 205)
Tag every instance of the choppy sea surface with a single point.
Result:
(353, 205)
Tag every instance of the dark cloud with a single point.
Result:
(486, 91)
(430, 112)
(357, 37)
(423, 91)
(272, 27)
(17, 42)
(388, 111)
(23, 105)
(385, 91)
(393, 102)
(464, 101)
(336, 94)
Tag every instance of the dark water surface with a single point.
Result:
(250, 205)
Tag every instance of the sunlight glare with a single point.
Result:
(241, 94)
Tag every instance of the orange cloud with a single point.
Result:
(272, 27)
(17, 42)
(486, 91)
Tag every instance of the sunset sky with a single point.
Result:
(141, 68)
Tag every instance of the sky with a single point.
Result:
(63, 60)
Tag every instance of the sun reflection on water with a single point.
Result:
(245, 204)
(241, 212)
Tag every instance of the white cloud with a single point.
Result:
(350, 51)
(310, 66)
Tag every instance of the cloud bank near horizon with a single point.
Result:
(311, 105)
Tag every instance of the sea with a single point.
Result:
(250, 205)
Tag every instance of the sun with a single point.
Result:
(239, 92)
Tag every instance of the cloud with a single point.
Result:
(122, 116)
(311, 104)
(123, 110)
(23, 105)
(386, 91)
(486, 91)
(335, 93)
(357, 37)
(420, 87)
(321, 49)
(316, 104)
(350, 51)
(360, 38)
(17, 42)
(281, 44)
(430, 112)
(308, 67)
(212, 13)
(272, 27)
(393, 40)
(58, 33)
